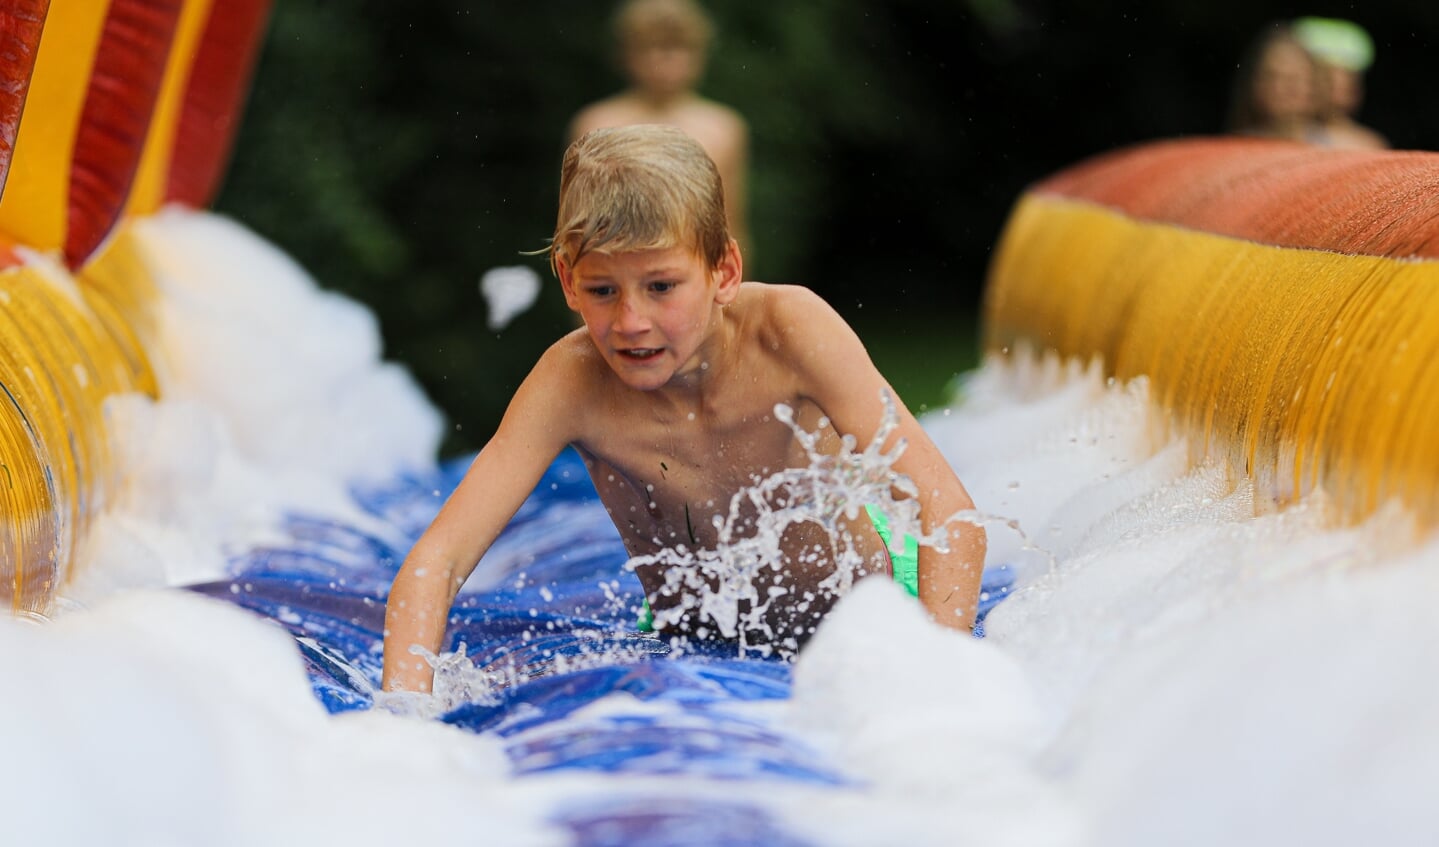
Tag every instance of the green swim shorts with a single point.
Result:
(905, 565)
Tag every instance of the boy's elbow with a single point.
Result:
(427, 570)
(432, 562)
(425, 583)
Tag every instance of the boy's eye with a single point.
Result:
(600, 290)
(660, 286)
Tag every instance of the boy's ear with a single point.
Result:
(567, 283)
(729, 273)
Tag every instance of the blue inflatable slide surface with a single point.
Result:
(559, 631)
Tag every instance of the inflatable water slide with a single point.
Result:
(1203, 437)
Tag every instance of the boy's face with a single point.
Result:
(1284, 86)
(663, 68)
(650, 312)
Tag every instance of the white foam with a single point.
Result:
(944, 728)
(1209, 675)
(293, 369)
(133, 730)
(508, 293)
(274, 400)
(1304, 713)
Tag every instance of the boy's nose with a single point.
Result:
(630, 317)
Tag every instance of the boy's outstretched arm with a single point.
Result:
(949, 583)
(847, 386)
(532, 432)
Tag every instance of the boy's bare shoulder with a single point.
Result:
(722, 129)
(721, 115)
(572, 359)
(548, 409)
(785, 316)
(567, 374)
(618, 110)
(784, 306)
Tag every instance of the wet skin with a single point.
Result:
(695, 394)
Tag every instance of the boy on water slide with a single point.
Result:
(669, 394)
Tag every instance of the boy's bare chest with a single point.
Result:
(664, 479)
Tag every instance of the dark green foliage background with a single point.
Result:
(400, 150)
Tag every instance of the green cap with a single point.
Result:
(1336, 42)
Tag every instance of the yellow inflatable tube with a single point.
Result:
(1282, 300)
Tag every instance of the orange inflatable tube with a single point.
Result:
(1282, 300)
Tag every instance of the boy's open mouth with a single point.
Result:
(640, 352)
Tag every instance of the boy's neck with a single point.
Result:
(661, 102)
(691, 391)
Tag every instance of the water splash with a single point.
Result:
(460, 681)
(733, 585)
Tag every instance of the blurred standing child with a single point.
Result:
(1275, 89)
(1344, 52)
(663, 47)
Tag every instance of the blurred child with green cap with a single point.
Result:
(1343, 51)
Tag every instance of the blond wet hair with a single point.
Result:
(641, 187)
